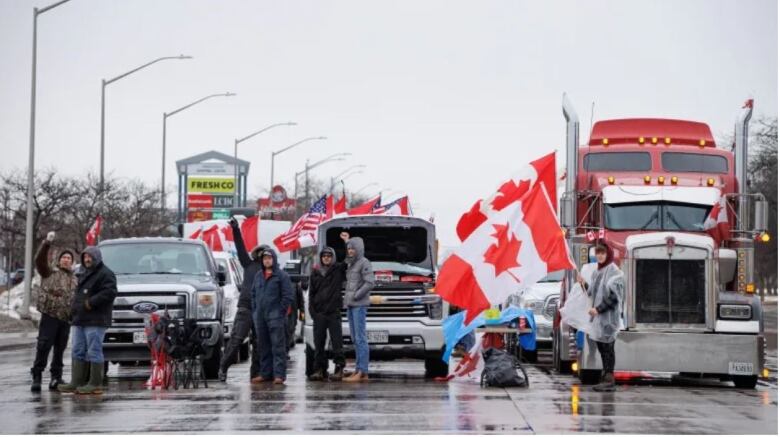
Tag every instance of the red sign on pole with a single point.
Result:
(195, 201)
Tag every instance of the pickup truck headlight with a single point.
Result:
(536, 306)
(434, 304)
(735, 312)
(229, 310)
(207, 305)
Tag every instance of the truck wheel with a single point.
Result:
(211, 365)
(748, 382)
(589, 376)
(435, 367)
(309, 360)
(243, 351)
(531, 356)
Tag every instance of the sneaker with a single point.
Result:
(259, 380)
(356, 377)
(278, 381)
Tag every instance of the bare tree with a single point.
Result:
(763, 179)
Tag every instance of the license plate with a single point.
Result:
(741, 368)
(383, 276)
(378, 337)
(139, 337)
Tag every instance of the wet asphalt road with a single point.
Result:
(397, 399)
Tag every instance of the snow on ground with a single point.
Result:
(16, 299)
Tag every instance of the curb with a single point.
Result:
(14, 341)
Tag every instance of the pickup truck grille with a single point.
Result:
(550, 306)
(125, 317)
(670, 291)
(398, 303)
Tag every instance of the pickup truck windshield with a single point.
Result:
(155, 258)
(656, 216)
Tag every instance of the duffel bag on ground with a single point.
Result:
(502, 370)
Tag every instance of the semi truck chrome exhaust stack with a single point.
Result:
(569, 201)
(741, 132)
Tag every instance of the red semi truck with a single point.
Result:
(647, 186)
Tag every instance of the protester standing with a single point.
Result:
(243, 324)
(273, 296)
(325, 303)
(607, 290)
(91, 309)
(54, 297)
(357, 297)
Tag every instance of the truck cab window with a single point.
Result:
(617, 161)
(694, 162)
(656, 216)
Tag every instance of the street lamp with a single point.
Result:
(278, 152)
(372, 184)
(28, 232)
(235, 154)
(331, 158)
(105, 83)
(165, 124)
(335, 178)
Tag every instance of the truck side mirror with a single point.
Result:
(221, 276)
(727, 265)
(761, 216)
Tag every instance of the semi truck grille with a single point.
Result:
(125, 316)
(670, 291)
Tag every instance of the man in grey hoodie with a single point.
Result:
(357, 297)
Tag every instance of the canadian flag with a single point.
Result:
(397, 207)
(717, 222)
(542, 170)
(212, 238)
(94, 231)
(367, 208)
(335, 208)
(514, 246)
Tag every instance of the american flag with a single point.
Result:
(304, 232)
(397, 207)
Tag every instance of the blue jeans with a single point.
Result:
(357, 331)
(88, 343)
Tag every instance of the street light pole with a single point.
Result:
(28, 231)
(235, 155)
(278, 152)
(335, 178)
(165, 124)
(104, 84)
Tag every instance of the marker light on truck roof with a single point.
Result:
(661, 180)
(710, 182)
(611, 180)
(702, 143)
(641, 140)
(674, 180)
(667, 141)
(605, 141)
(648, 179)
(654, 140)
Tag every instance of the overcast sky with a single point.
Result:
(440, 99)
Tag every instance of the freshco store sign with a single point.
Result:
(210, 185)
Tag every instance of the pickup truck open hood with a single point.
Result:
(199, 283)
(400, 239)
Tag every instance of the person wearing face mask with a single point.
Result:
(607, 290)
(93, 303)
(273, 295)
(53, 297)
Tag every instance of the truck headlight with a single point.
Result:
(536, 306)
(735, 312)
(228, 310)
(434, 304)
(207, 305)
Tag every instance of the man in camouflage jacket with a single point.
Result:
(54, 296)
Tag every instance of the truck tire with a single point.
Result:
(590, 376)
(435, 367)
(748, 382)
(211, 364)
(531, 356)
(309, 360)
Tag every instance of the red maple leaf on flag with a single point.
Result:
(509, 192)
(503, 253)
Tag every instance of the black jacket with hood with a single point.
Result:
(251, 264)
(326, 285)
(97, 285)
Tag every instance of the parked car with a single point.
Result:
(158, 274)
(235, 275)
(542, 299)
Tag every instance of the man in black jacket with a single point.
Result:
(243, 324)
(91, 310)
(326, 283)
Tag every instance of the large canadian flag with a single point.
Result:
(717, 222)
(542, 170)
(515, 246)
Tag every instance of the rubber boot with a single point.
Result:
(95, 384)
(37, 377)
(607, 384)
(78, 376)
